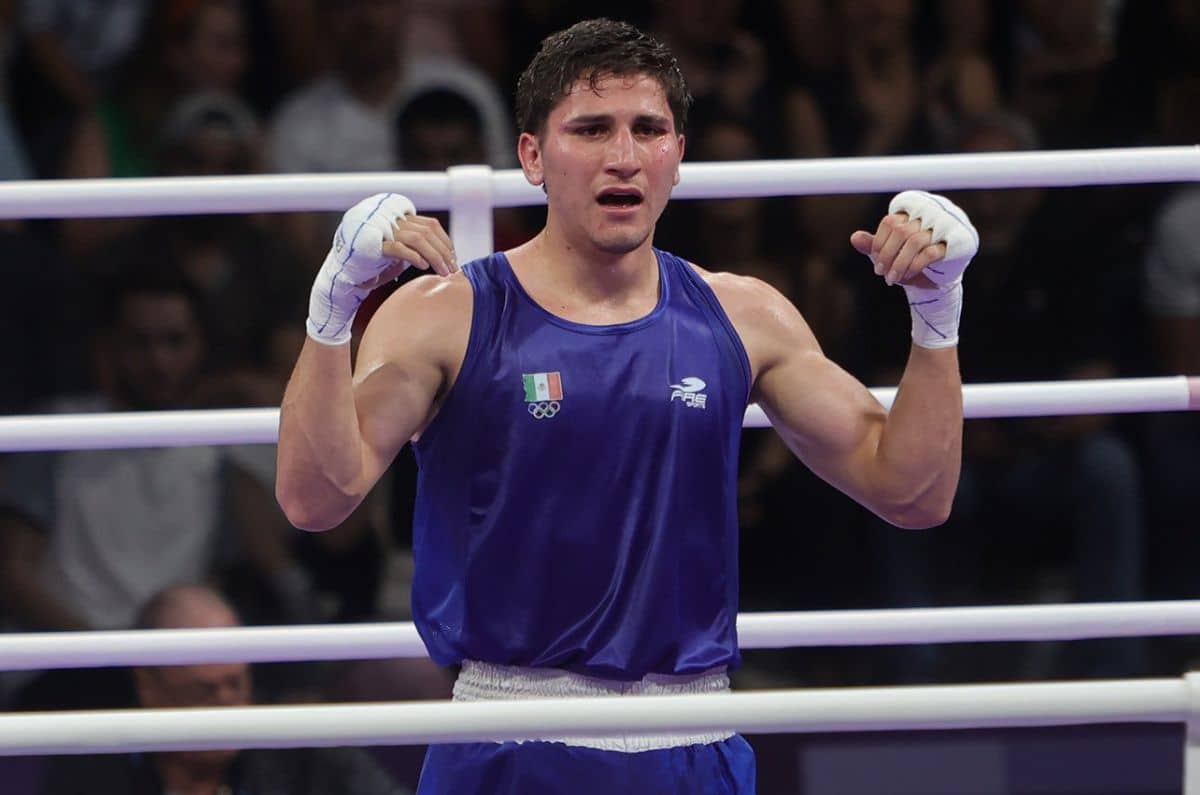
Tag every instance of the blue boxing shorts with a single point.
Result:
(715, 762)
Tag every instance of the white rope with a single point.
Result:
(38, 650)
(432, 191)
(834, 710)
(261, 426)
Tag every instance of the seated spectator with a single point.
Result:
(315, 771)
(191, 46)
(91, 534)
(344, 119)
(782, 569)
(69, 57)
(865, 102)
(208, 133)
(1171, 274)
(106, 511)
(248, 276)
(1057, 500)
(437, 128)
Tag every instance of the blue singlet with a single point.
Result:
(577, 492)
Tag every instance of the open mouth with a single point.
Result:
(620, 199)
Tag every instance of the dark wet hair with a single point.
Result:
(593, 50)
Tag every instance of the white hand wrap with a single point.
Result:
(356, 257)
(936, 310)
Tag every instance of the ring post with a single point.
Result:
(1191, 747)
(471, 211)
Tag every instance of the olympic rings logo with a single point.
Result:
(544, 410)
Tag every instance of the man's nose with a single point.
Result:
(621, 155)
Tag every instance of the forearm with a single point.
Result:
(319, 472)
(319, 476)
(920, 449)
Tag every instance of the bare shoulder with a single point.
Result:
(769, 325)
(429, 316)
(441, 297)
(751, 303)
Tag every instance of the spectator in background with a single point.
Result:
(437, 129)
(962, 81)
(71, 54)
(78, 44)
(1063, 51)
(344, 119)
(243, 273)
(726, 64)
(736, 235)
(191, 46)
(441, 127)
(1171, 273)
(247, 276)
(868, 102)
(309, 771)
(109, 528)
(89, 535)
(1171, 297)
(1036, 496)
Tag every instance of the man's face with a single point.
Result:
(181, 686)
(156, 350)
(608, 159)
(437, 145)
(365, 34)
(214, 57)
(178, 686)
(1000, 215)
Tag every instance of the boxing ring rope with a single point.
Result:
(470, 193)
(778, 711)
(781, 630)
(261, 426)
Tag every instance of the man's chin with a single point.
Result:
(619, 244)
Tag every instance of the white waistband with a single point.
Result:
(481, 681)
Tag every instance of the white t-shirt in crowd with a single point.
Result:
(122, 524)
(323, 128)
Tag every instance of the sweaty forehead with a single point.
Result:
(614, 94)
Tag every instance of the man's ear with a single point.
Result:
(682, 141)
(529, 152)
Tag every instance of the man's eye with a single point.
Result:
(591, 131)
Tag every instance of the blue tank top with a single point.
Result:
(577, 491)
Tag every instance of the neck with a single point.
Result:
(593, 274)
(586, 286)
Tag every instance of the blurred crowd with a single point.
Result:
(207, 311)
